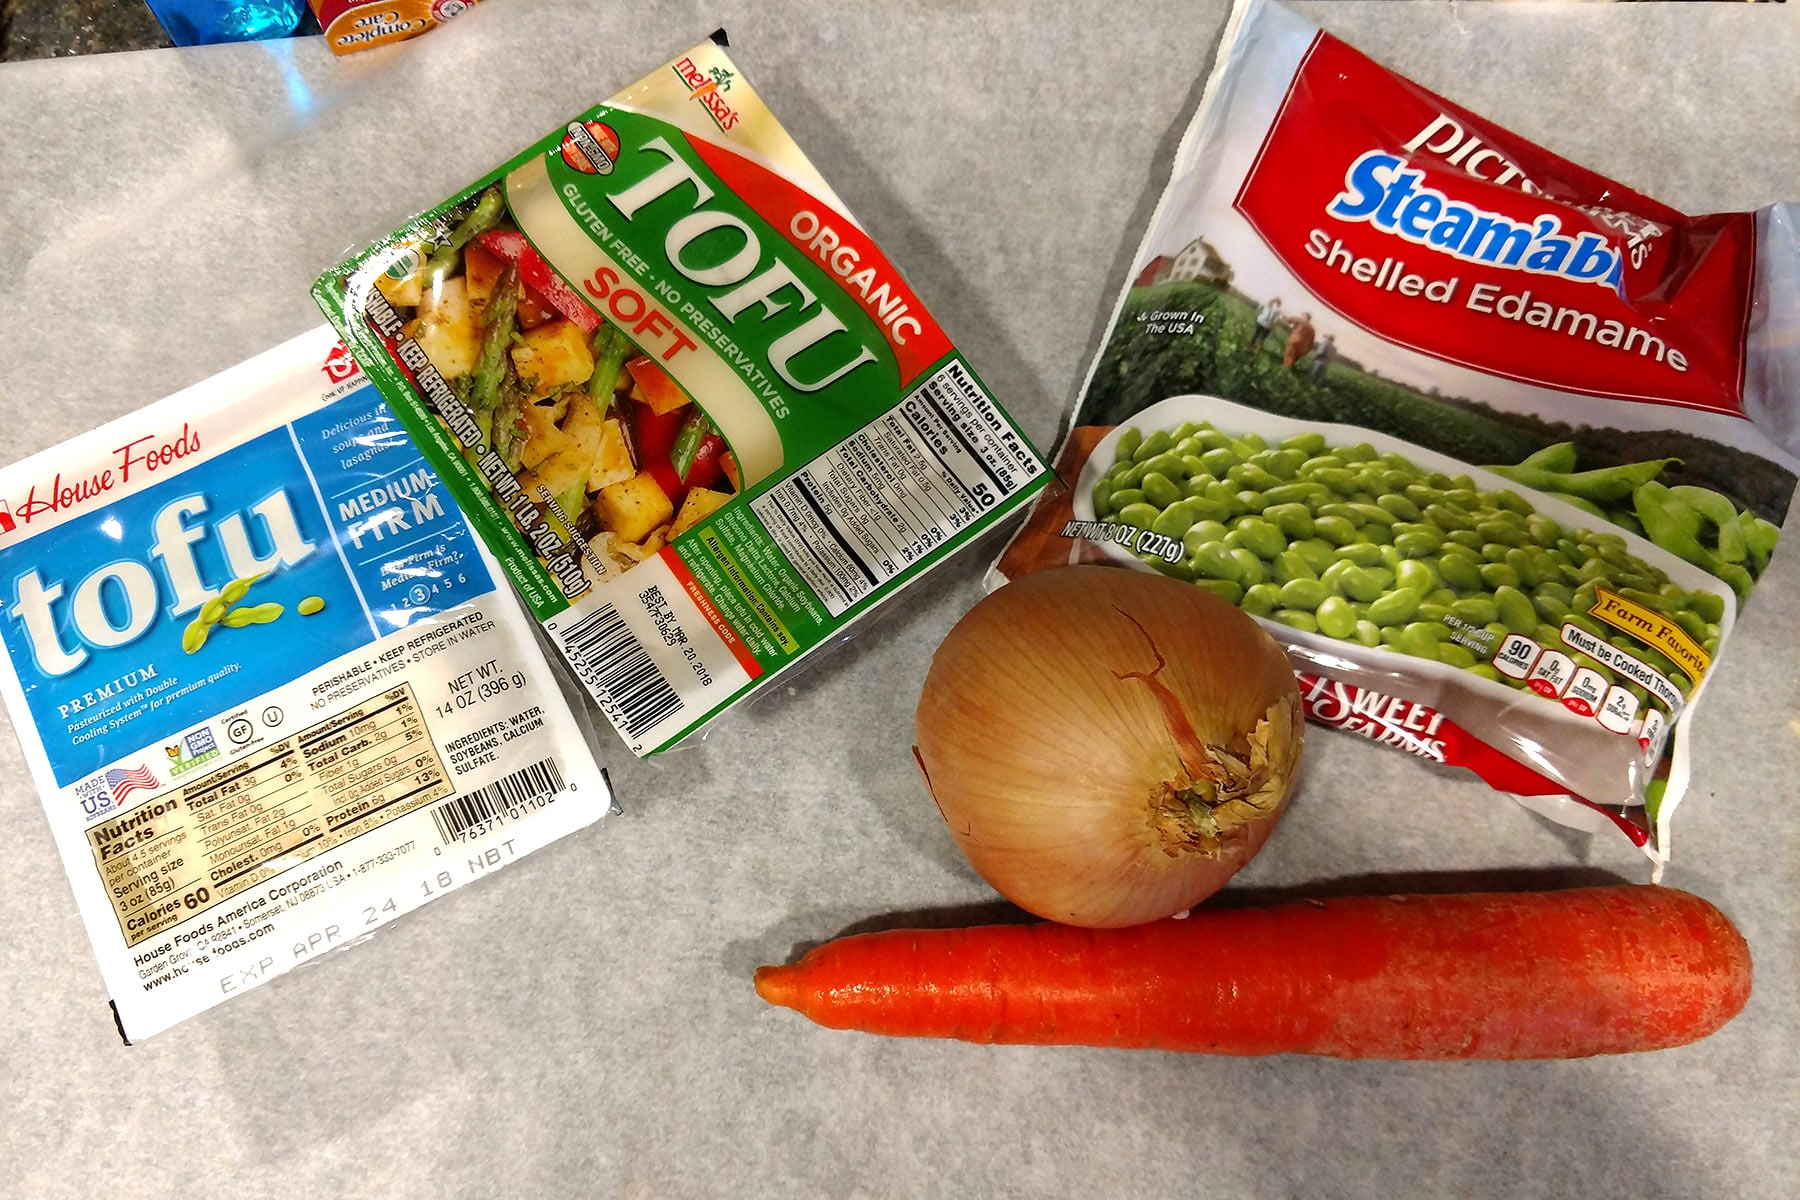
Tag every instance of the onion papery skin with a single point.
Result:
(1069, 716)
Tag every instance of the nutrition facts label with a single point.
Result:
(897, 489)
(1586, 692)
(175, 856)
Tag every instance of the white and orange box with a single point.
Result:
(352, 25)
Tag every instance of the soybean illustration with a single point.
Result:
(195, 635)
(1696, 524)
(220, 611)
(310, 605)
(256, 614)
(1368, 547)
(237, 589)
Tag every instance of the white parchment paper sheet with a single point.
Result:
(583, 1024)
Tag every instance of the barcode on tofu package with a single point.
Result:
(1496, 447)
(701, 418)
(271, 688)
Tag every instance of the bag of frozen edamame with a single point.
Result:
(1489, 442)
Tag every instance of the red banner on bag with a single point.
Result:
(1427, 226)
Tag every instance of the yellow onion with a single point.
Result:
(1108, 747)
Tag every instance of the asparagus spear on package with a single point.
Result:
(1494, 445)
(266, 682)
(700, 417)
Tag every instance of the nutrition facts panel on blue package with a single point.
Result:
(174, 857)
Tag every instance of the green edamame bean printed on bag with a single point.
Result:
(1314, 549)
(220, 610)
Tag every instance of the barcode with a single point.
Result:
(457, 815)
(618, 668)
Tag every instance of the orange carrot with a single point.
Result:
(1565, 974)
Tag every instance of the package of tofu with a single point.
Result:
(701, 418)
(272, 689)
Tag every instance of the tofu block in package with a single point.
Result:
(702, 420)
(271, 688)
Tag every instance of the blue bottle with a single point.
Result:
(203, 22)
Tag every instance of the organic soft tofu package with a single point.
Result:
(702, 419)
(271, 688)
(1496, 447)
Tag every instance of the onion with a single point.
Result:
(1108, 747)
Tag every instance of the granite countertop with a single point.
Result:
(583, 1022)
(58, 28)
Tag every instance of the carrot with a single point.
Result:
(1565, 974)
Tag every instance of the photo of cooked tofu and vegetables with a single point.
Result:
(598, 433)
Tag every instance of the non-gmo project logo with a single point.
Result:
(198, 747)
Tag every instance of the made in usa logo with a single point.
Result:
(107, 790)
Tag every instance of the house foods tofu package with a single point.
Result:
(272, 690)
(1490, 443)
(701, 419)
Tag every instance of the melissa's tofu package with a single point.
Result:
(1496, 447)
(271, 689)
(702, 420)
